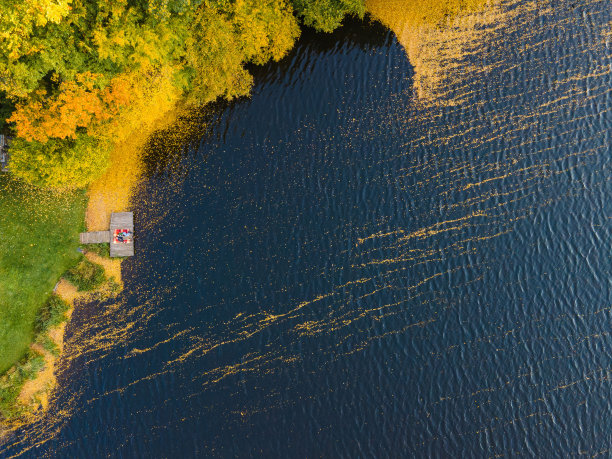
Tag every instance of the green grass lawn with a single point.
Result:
(39, 236)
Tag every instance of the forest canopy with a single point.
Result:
(75, 73)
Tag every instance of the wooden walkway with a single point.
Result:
(95, 237)
(119, 221)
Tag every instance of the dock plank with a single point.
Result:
(95, 237)
(121, 220)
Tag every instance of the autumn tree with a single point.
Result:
(70, 69)
(327, 15)
(76, 104)
(226, 35)
(61, 164)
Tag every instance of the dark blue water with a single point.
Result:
(334, 268)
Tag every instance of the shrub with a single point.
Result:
(52, 314)
(327, 15)
(86, 275)
(48, 344)
(99, 249)
(13, 380)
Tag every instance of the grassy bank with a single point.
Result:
(39, 232)
(25, 387)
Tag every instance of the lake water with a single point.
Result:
(335, 268)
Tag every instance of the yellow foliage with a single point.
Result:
(143, 97)
(226, 37)
(54, 11)
(59, 164)
(152, 101)
(18, 20)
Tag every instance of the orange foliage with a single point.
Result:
(78, 104)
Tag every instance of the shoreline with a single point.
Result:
(112, 192)
(33, 393)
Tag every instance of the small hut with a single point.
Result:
(4, 156)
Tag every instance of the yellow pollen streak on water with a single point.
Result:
(135, 351)
(428, 231)
(361, 240)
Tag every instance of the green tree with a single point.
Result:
(327, 15)
(60, 164)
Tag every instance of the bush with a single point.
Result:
(13, 380)
(48, 344)
(30, 366)
(52, 314)
(99, 249)
(327, 15)
(86, 275)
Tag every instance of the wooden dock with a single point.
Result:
(119, 221)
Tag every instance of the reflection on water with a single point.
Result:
(335, 269)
